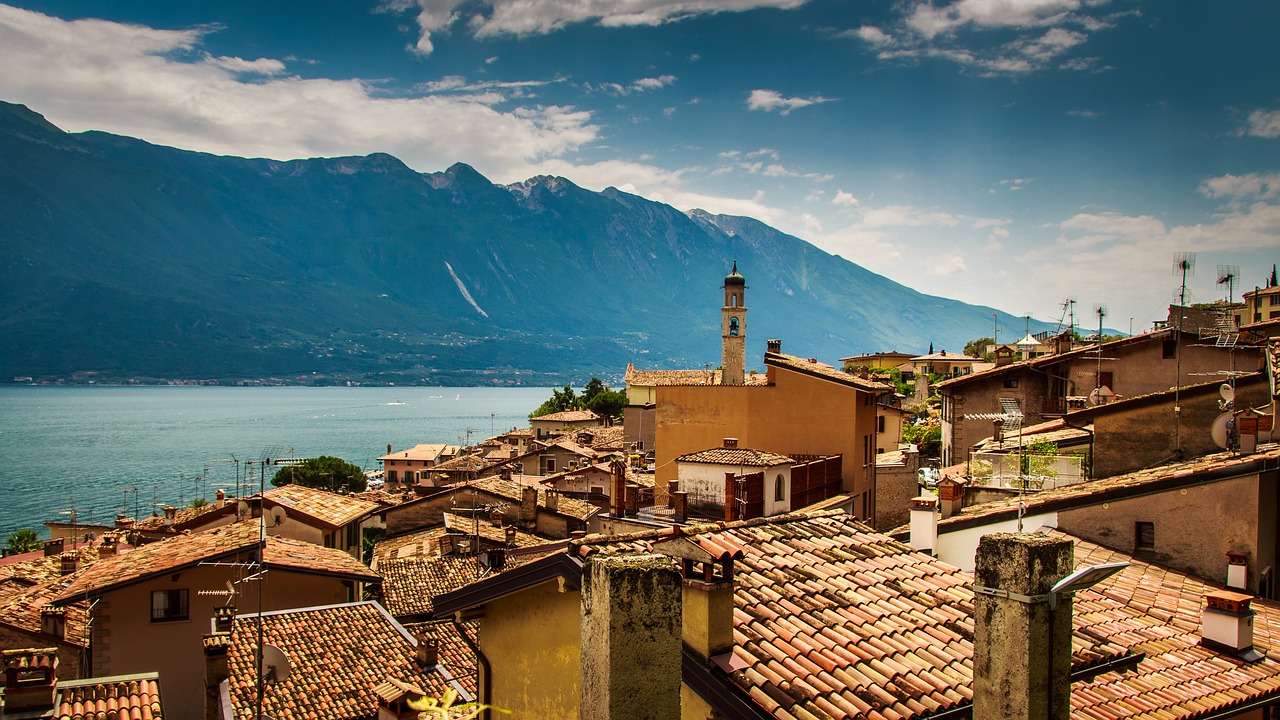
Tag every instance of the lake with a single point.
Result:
(103, 450)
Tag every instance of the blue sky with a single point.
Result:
(1003, 152)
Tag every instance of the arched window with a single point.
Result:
(779, 490)
(734, 300)
(733, 327)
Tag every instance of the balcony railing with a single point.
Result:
(1015, 471)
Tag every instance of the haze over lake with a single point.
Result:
(86, 447)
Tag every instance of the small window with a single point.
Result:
(169, 605)
(880, 423)
(551, 465)
(1011, 384)
(779, 490)
(1169, 349)
(1145, 535)
(391, 476)
(597, 490)
(733, 327)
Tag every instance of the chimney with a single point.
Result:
(53, 547)
(632, 496)
(1021, 641)
(773, 346)
(31, 680)
(673, 487)
(950, 496)
(495, 518)
(731, 443)
(706, 592)
(223, 617)
(511, 536)
(618, 494)
(497, 559)
(1004, 356)
(680, 504)
(428, 652)
(924, 524)
(528, 506)
(553, 501)
(997, 430)
(220, 498)
(70, 562)
(217, 669)
(170, 514)
(1227, 624)
(110, 545)
(630, 636)
(388, 448)
(53, 621)
(1238, 569)
(730, 497)
(396, 699)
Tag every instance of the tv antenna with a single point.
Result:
(1184, 264)
(1101, 311)
(1229, 275)
(1068, 306)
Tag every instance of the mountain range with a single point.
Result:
(122, 259)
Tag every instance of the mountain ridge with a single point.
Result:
(144, 260)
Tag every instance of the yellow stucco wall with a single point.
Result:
(126, 641)
(532, 642)
(797, 414)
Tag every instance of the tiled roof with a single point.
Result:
(1156, 611)
(27, 587)
(463, 523)
(1047, 360)
(239, 539)
(462, 463)
(332, 509)
(568, 416)
(422, 543)
(338, 654)
(673, 378)
(124, 696)
(183, 517)
(421, 451)
(944, 355)
(410, 585)
(735, 456)
(791, 362)
(606, 437)
(454, 651)
(1054, 431)
(1097, 491)
(567, 443)
(571, 507)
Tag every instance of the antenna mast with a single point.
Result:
(1184, 264)
(1101, 312)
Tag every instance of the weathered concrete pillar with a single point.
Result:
(1021, 646)
(631, 616)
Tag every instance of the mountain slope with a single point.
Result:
(131, 259)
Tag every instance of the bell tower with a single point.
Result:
(733, 329)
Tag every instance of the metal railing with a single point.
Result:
(1016, 471)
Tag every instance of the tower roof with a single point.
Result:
(734, 277)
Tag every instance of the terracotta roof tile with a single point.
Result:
(674, 378)
(332, 509)
(27, 588)
(572, 507)
(182, 517)
(735, 456)
(569, 416)
(798, 364)
(131, 696)
(409, 585)
(338, 655)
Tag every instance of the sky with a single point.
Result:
(1012, 153)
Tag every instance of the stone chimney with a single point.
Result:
(773, 346)
(70, 562)
(495, 518)
(618, 493)
(731, 443)
(630, 635)
(1021, 642)
(511, 537)
(924, 524)
(997, 430)
(223, 617)
(631, 494)
(528, 506)
(53, 621)
(220, 498)
(217, 669)
(673, 487)
(31, 680)
(53, 547)
(730, 496)
(388, 448)
(1004, 356)
(428, 653)
(680, 504)
(553, 501)
(124, 522)
(1238, 569)
(706, 592)
(110, 545)
(170, 515)
(1227, 624)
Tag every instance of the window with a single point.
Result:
(733, 327)
(1144, 535)
(169, 605)
(391, 476)
(1273, 300)
(1011, 384)
(880, 423)
(779, 490)
(597, 490)
(551, 465)
(1169, 349)
(1108, 380)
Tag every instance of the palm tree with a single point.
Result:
(24, 540)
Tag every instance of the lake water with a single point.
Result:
(102, 450)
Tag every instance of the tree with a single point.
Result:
(978, 348)
(608, 403)
(559, 401)
(927, 436)
(594, 387)
(24, 540)
(325, 472)
(197, 503)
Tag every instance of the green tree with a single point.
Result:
(926, 436)
(608, 403)
(197, 503)
(978, 348)
(593, 388)
(559, 401)
(325, 472)
(24, 540)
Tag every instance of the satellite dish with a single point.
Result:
(1219, 430)
(278, 515)
(275, 664)
(1228, 393)
(242, 508)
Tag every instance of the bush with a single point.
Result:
(325, 472)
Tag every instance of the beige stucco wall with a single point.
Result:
(705, 485)
(532, 642)
(126, 641)
(797, 414)
(1227, 511)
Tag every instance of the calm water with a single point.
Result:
(88, 448)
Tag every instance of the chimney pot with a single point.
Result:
(1227, 622)
(70, 562)
(511, 536)
(53, 547)
(773, 346)
(34, 689)
(53, 621)
(924, 524)
(220, 498)
(1237, 569)
(223, 616)
(170, 514)
(428, 651)
(680, 503)
(731, 443)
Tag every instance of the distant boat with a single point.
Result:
(435, 396)
(397, 402)
(458, 396)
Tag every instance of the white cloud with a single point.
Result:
(844, 199)
(1086, 114)
(531, 17)
(1251, 185)
(947, 266)
(1264, 124)
(1016, 184)
(995, 239)
(812, 225)
(764, 152)
(156, 85)
(771, 100)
